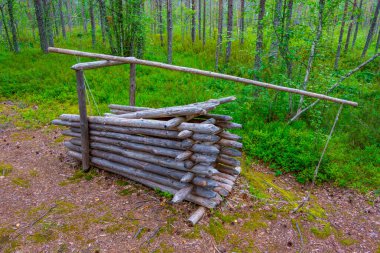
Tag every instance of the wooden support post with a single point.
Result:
(85, 138)
(132, 84)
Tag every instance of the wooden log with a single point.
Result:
(218, 117)
(205, 137)
(228, 170)
(59, 122)
(229, 136)
(223, 192)
(83, 120)
(230, 152)
(228, 125)
(184, 156)
(180, 195)
(206, 149)
(185, 134)
(204, 170)
(188, 177)
(143, 123)
(201, 158)
(132, 84)
(227, 187)
(227, 160)
(71, 133)
(222, 179)
(204, 192)
(164, 112)
(194, 71)
(169, 152)
(196, 216)
(124, 108)
(230, 143)
(159, 142)
(175, 122)
(134, 130)
(205, 182)
(232, 178)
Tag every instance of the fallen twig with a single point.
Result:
(299, 232)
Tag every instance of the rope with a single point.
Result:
(319, 162)
(91, 94)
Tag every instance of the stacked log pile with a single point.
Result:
(183, 150)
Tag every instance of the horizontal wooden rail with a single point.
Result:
(132, 60)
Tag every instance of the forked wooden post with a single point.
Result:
(132, 84)
(85, 138)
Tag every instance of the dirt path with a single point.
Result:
(47, 205)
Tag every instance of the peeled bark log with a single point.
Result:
(229, 136)
(228, 170)
(229, 143)
(183, 156)
(228, 160)
(182, 194)
(188, 177)
(230, 152)
(228, 125)
(205, 137)
(197, 215)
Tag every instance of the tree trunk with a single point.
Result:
(350, 27)
(288, 19)
(276, 27)
(62, 19)
(93, 24)
(371, 29)
(229, 30)
(69, 17)
(377, 42)
(41, 25)
(199, 19)
(170, 30)
(241, 22)
(12, 23)
(102, 19)
(193, 21)
(259, 40)
(341, 36)
(312, 51)
(6, 28)
(102, 8)
(49, 17)
(84, 18)
(204, 23)
(357, 21)
(220, 34)
(160, 24)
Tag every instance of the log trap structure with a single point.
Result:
(184, 150)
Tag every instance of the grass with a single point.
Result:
(42, 86)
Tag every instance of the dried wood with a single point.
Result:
(230, 143)
(195, 71)
(188, 177)
(228, 125)
(201, 158)
(227, 160)
(184, 156)
(230, 152)
(181, 194)
(229, 136)
(197, 215)
(185, 134)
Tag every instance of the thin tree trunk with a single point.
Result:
(107, 29)
(337, 57)
(170, 30)
(199, 19)
(193, 21)
(371, 29)
(229, 30)
(259, 40)
(220, 34)
(160, 24)
(312, 51)
(204, 23)
(357, 21)
(93, 24)
(41, 25)
(84, 18)
(69, 17)
(377, 42)
(241, 22)
(288, 17)
(276, 26)
(350, 27)
(13, 26)
(103, 21)
(62, 19)
(6, 28)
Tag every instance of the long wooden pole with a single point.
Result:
(132, 85)
(85, 138)
(132, 60)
